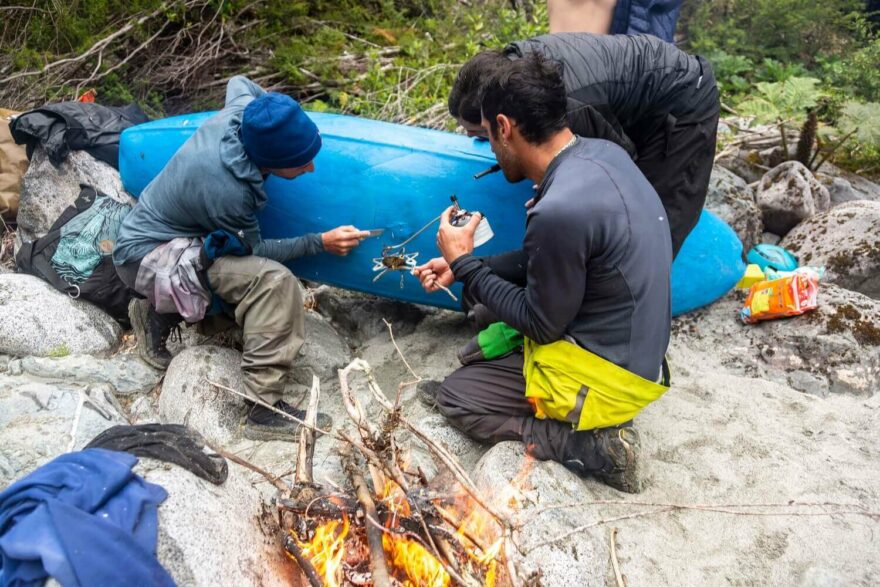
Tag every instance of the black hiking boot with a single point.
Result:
(265, 424)
(427, 391)
(611, 455)
(152, 330)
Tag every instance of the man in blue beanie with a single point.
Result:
(214, 186)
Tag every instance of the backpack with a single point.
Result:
(75, 256)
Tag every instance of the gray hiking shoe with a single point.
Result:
(265, 424)
(611, 455)
(151, 331)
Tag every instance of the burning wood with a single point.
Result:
(391, 533)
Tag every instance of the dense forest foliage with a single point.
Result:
(777, 61)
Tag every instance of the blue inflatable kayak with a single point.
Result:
(377, 175)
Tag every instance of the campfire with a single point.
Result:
(392, 528)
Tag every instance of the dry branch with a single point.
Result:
(305, 566)
(379, 571)
(723, 509)
(306, 449)
(319, 507)
(272, 408)
(614, 562)
(438, 451)
(276, 481)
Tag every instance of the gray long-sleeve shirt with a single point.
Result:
(209, 184)
(596, 258)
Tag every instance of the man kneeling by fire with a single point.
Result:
(576, 324)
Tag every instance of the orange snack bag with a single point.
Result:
(786, 296)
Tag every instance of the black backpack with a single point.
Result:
(75, 256)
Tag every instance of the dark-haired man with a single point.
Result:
(590, 295)
(654, 100)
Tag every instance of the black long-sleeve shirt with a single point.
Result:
(596, 258)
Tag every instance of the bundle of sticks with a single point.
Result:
(397, 525)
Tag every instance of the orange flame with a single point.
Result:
(325, 550)
(421, 567)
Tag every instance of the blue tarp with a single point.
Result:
(84, 519)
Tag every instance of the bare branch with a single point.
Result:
(306, 449)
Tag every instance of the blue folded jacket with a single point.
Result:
(84, 519)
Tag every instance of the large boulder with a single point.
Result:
(322, 353)
(733, 200)
(40, 420)
(835, 348)
(524, 486)
(41, 321)
(846, 240)
(846, 186)
(47, 190)
(217, 534)
(788, 194)
(126, 373)
(188, 398)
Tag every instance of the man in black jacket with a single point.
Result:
(591, 280)
(652, 99)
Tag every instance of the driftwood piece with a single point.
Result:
(305, 566)
(379, 570)
(306, 449)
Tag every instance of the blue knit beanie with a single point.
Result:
(277, 134)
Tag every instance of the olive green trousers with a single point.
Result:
(268, 303)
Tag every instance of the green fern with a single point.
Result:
(782, 100)
(863, 120)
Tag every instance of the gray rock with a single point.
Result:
(438, 429)
(323, 352)
(751, 164)
(770, 239)
(835, 347)
(511, 478)
(731, 198)
(846, 240)
(216, 535)
(840, 190)
(788, 194)
(126, 373)
(41, 321)
(37, 419)
(46, 190)
(808, 383)
(862, 188)
(143, 410)
(188, 398)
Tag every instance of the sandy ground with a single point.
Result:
(719, 436)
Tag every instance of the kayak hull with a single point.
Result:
(377, 175)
